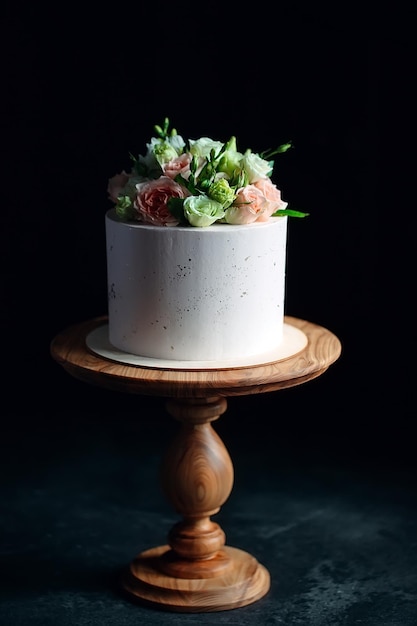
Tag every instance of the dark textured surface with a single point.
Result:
(332, 517)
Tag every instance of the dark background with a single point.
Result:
(82, 90)
(81, 94)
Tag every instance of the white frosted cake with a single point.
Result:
(196, 252)
(214, 293)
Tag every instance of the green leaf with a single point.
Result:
(140, 169)
(176, 208)
(290, 213)
(188, 184)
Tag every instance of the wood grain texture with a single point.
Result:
(196, 571)
(244, 582)
(197, 478)
(69, 349)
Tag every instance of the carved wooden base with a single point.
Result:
(195, 571)
(235, 579)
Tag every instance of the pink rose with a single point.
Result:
(180, 165)
(152, 200)
(272, 197)
(247, 206)
(116, 185)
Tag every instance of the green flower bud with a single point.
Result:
(230, 159)
(283, 147)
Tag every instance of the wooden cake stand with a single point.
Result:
(195, 571)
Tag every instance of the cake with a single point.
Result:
(196, 246)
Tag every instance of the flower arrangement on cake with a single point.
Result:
(198, 183)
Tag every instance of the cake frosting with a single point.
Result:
(184, 293)
(196, 252)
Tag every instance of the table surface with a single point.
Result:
(69, 349)
(332, 516)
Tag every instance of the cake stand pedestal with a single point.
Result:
(194, 571)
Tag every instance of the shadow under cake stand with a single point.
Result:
(195, 571)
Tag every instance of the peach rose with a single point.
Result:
(152, 200)
(248, 206)
(272, 197)
(116, 185)
(180, 165)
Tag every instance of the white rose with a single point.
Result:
(203, 146)
(255, 167)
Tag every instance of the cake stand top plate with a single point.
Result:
(315, 349)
